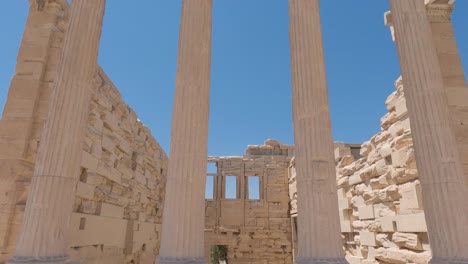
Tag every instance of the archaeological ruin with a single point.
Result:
(82, 180)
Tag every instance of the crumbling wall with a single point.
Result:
(120, 194)
(255, 231)
(381, 210)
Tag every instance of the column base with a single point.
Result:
(170, 260)
(42, 260)
(438, 260)
(302, 260)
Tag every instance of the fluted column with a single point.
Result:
(319, 235)
(440, 169)
(45, 229)
(184, 214)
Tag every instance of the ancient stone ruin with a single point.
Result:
(83, 180)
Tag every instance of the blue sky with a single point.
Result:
(251, 86)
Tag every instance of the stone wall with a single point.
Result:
(255, 231)
(381, 210)
(120, 194)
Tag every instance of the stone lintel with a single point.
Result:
(172, 260)
(321, 261)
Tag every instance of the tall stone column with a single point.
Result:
(439, 165)
(439, 14)
(319, 234)
(183, 224)
(45, 229)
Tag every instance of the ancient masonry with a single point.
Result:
(119, 197)
(256, 230)
(99, 197)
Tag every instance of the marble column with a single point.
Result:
(439, 14)
(439, 165)
(183, 223)
(319, 234)
(44, 233)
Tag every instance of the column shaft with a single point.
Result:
(319, 235)
(45, 228)
(184, 215)
(438, 160)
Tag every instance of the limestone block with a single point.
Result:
(342, 182)
(368, 238)
(411, 223)
(345, 161)
(346, 226)
(400, 175)
(407, 240)
(109, 173)
(358, 201)
(144, 235)
(113, 211)
(389, 119)
(396, 129)
(369, 172)
(382, 166)
(344, 203)
(87, 230)
(391, 101)
(85, 190)
(400, 108)
(402, 141)
(399, 256)
(385, 150)
(88, 161)
(389, 194)
(347, 170)
(388, 224)
(366, 148)
(355, 179)
(382, 181)
(411, 198)
(373, 157)
(380, 137)
(366, 212)
(384, 209)
(385, 241)
(404, 158)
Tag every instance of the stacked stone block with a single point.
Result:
(381, 210)
(122, 185)
(255, 231)
(379, 194)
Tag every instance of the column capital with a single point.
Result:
(437, 11)
(42, 5)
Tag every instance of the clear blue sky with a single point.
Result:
(251, 87)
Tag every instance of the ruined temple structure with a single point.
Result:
(82, 180)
